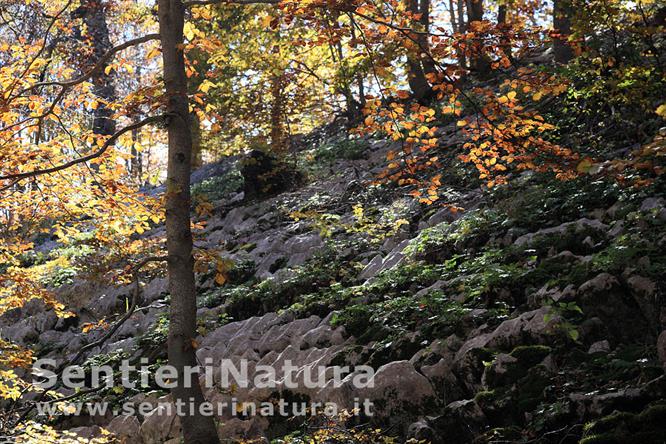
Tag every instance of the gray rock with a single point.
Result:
(420, 431)
(161, 424)
(372, 268)
(603, 297)
(496, 372)
(643, 290)
(599, 347)
(377, 264)
(652, 203)
(399, 391)
(125, 428)
(575, 226)
(424, 291)
(443, 215)
(530, 327)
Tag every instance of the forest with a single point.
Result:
(332, 221)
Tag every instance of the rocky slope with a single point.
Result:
(535, 315)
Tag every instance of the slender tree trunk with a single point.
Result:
(361, 90)
(502, 22)
(197, 429)
(462, 27)
(452, 17)
(415, 73)
(93, 13)
(478, 59)
(278, 137)
(136, 163)
(562, 27)
(428, 63)
(501, 15)
(197, 155)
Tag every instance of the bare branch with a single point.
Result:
(191, 3)
(132, 309)
(135, 300)
(100, 63)
(110, 141)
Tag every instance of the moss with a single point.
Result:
(625, 427)
(218, 187)
(530, 355)
(348, 355)
(351, 149)
(531, 388)
(500, 434)
(485, 396)
(355, 319)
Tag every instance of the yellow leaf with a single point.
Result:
(584, 166)
(266, 21)
(189, 31)
(661, 110)
(462, 122)
(205, 86)
(153, 53)
(220, 279)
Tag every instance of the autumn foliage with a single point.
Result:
(446, 82)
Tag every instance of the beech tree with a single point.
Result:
(562, 30)
(182, 318)
(68, 130)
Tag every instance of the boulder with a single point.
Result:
(644, 292)
(578, 228)
(599, 347)
(161, 424)
(265, 175)
(420, 431)
(379, 264)
(126, 429)
(605, 298)
(399, 392)
(460, 422)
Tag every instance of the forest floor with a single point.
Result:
(532, 314)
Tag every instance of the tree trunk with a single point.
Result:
(501, 15)
(462, 27)
(502, 23)
(197, 429)
(136, 162)
(415, 73)
(278, 136)
(452, 17)
(562, 28)
(197, 155)
(478, 60)
(94, 17)
(428, 63)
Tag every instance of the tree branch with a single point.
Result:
(190, 3)
(135, 300)
(110, 141)
(100, 63)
